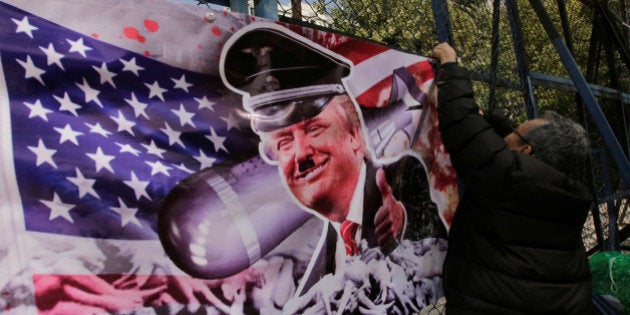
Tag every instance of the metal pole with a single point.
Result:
(494, 57)
(240, 6)
(600, 156)
(442, 21)
(519, 50)
(613, 211)
(267, 9)
(564, 19)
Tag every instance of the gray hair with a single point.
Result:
(563, 144)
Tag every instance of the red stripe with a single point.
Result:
(358, 51)
(97, 294)
(354, 49)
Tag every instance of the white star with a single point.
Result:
(139, 187)
(183, 167)
(153, 149)
(216, 141)
(131, 65)
(58, 208)
(205, 103)
(30, 70)
(205, 160)
(123, 123)
(44, 155)
(138, 107)
(67, 134)
(181, 83)
(127, 215)
(98, 129)
(173, 135)
(90, 93)
(105, 74)
(85, 185)
(128, 148)
(78, 46)
(38, 110)
(102, 160)
(155, 90)
(24, 26)
(231, 122)
(67, 104)
(184, 116)
(52, 56)
(158, 167)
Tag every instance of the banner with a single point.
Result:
(161, 157)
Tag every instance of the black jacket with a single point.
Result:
(515, 243)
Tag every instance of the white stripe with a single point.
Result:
(369, 72)
(175, 17)
(12, 241)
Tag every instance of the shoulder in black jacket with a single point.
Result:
(515, 243)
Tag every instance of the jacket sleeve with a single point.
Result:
(479, 155)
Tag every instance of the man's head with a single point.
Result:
(555, 140)
(321, 157)
(299, 106)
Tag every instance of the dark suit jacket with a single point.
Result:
(408, 180)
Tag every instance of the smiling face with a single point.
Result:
(320, 159)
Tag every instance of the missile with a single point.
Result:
(221, 220)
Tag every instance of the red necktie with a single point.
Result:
(348, 229)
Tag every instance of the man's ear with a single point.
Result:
(356, 139)
(526, 148)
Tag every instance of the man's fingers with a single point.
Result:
(383, 186)
(383, 226)
(381, 215)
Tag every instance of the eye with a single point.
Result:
(314, 130)
(283, 144)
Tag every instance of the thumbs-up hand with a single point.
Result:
(390, 216)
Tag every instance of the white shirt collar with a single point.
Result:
(355, 214)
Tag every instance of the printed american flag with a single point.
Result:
(100, 133)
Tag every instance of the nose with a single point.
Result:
(302, 150)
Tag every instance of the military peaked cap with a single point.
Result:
(284, 78)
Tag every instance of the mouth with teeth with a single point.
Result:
(308, 169)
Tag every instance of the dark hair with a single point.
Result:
(561, 143)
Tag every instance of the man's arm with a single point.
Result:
(479, 155)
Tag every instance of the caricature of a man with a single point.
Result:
(310, 127)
